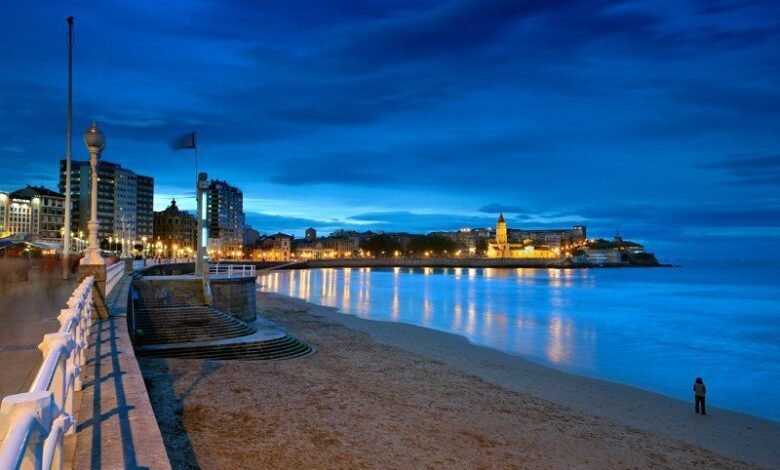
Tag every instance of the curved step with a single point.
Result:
(287, 347)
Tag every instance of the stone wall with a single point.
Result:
(235, 296)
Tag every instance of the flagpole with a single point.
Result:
(195, 145)
(69, 118)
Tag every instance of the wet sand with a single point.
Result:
(385, 395)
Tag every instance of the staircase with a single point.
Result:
(286, 347)
(172, 319)
(185, 324)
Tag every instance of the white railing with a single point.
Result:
(231, 270)
(34, 424)
(140, 263)
(113, 274)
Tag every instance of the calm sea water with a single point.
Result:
(656, 329)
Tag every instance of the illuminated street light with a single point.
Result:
(95, 142)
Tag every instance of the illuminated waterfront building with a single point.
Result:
(326, 248)
(33, 211)
(174, 227)
(274, 248)
(225, 218)
(121, 194)
(502, 247)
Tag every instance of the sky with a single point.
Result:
(655, 120)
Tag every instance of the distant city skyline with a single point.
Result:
(656, 119)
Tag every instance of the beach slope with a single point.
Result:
(385, 395)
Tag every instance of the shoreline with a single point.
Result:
(463, 263)
(729, 433)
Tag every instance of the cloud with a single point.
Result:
(270, 223)
(761, 169)
(407, 221)
(427, 162)
(494, 207)
(751, 215)
(518, 212)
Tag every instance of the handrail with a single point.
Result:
(113, 274)
(33, 424)
(239, 270)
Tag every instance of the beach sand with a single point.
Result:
(387, 395)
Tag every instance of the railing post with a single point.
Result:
(23, 448)
(61, 384)
(71, 323)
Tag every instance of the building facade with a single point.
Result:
(274, 248)
(34, 211)
(326, 248)
(121, 193)
(145, 206)
(175, 229)
(552, 238)
(225, 218)
(251, 236)
(502, 247)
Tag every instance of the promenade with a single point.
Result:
(28, 310)
(116, 427)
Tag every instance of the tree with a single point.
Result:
(482, 245)
(380, 245)
(435, 245)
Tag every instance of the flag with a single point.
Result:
(187, 141)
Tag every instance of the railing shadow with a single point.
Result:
(108, 373)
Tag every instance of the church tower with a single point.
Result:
(501, 237)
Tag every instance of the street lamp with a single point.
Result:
(95, 143)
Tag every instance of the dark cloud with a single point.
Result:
(748, 170)
(434, 163)
(421, 222)
(757, 214)
(269, 223)
(495, 208)
(542, 103)
(746, 163)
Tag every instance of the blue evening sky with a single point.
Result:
(658, 118)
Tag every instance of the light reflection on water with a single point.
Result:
(652, 328)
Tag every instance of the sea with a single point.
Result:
(653, 328)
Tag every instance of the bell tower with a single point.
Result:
(501, 237)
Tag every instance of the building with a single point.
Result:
(145, 205)
(225, 219)
(311, 235)
(326, 248)
(274, 248)
(553, 238)
(599, 256)
(121, 193)
(33, 211)
(629, 247)
(502, 247)
(176, 230)
(251, 236)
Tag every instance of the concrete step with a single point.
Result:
(286, 347)
(178, 325)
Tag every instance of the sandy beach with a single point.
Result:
(388, 395)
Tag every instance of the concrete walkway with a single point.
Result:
(28, 310)
(116, 427)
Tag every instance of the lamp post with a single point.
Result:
(95, 143)
(125, 244)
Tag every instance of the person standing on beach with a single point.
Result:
(699, 391)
